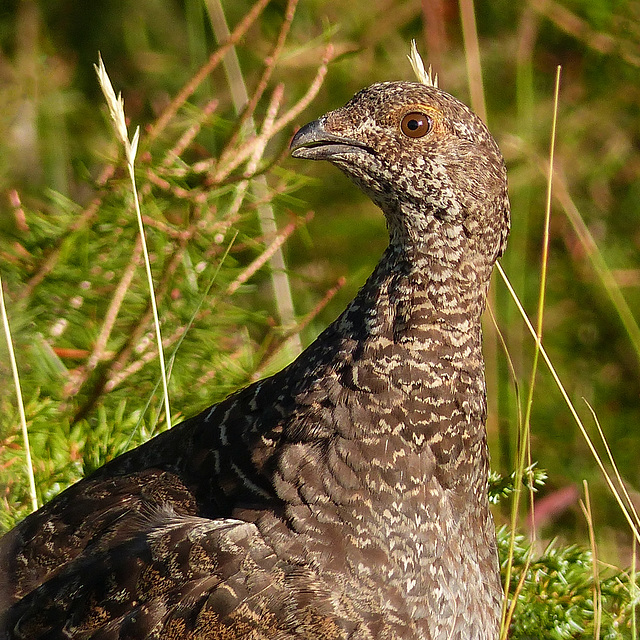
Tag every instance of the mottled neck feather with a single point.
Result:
(414, 288)
(408, 352)
(393, 446)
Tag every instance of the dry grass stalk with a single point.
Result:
(118, 375)
(556, 378)
(524, 453)
(425, 76)
(116, 110)
(23, 420)
(623, 487)
(597, 591)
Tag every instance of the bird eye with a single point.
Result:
(416, 124)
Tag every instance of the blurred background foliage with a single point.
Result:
(56, 144)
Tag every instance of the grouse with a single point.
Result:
(343, 497)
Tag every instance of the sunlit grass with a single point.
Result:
(116, 111)
(597, 591)
(634, 589)
(524, 438)
(523, 453)
(23, 420)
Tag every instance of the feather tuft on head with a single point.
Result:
(425, 77)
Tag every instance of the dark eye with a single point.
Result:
(416, 124)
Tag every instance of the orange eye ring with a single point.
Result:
(416, 124)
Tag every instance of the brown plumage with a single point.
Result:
(344, 497)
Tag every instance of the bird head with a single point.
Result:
(424, 158)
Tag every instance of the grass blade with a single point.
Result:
(572, 409)
(524, 443)
(23, 419)
(116, 110)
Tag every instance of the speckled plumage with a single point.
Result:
(344, 497)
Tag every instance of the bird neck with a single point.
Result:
(387, 436)
(421, 284)
(410, 344)
(395, 448)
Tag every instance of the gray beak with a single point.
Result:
(314, 142)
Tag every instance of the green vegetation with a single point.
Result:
(213, 174)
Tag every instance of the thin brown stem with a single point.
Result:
(270, 64)
(244, 152)
(187, 137)
(49, 262)
(120, 374)
(80, 375)
(214, 60)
